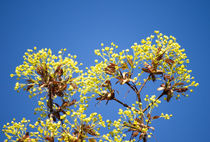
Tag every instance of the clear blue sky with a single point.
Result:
(80, 26)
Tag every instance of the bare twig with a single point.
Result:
(143, 86)
(133, 87)
(125, 105)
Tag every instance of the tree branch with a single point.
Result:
(143, 86)
(145, 139)
(135, 90)
(153, 102)
(125, 105)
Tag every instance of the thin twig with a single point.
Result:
(153, 102)
(132, 87)
(143, 86)
(135, 90)
(125, 105)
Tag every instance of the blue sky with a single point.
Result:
(80, 26)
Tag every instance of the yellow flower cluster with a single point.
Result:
(42, 108)
(152, 101)
(93, 123)
(94, 78)
(116, 134)
(46, 128)
(18, 130)
(173, 62)
(15, 131)
(62, 131)
(109, 54)
(128, 115)
(160, 54)
(166, 116)
(44, 58)
(116, 138)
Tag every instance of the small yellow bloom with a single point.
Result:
(196, 84)
(157, 32)
(106, 48)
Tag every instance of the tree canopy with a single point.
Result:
(65, 91)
